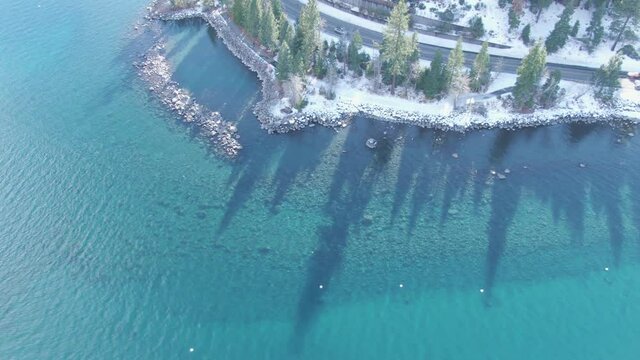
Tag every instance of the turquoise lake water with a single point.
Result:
(123, 237)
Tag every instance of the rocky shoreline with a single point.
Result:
(341, 116)
(156, 72)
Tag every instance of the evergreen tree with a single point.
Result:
(434, 79)
(481, 72)
(413, 62)
(254, 16)
(285, 31)
(477, 27)
(551, 90)
(541, 5)
(530, 73)
(268, 28)
(457, 80)
(341, 51)
(353, 53)
(276, 5)
(526, 33)
(308, 34)
(297, 64)
(595, 30)
(514, 19)
(421, 84)
(284, 66)
(606, 79)
(395, 45)
(575, 29)
(238, 11)
(558, 37)
(629, 10)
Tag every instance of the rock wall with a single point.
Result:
(156, 72)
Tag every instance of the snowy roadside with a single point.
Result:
(354, 97)
(570, 55)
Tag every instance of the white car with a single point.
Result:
(420, 27)
(340, 30)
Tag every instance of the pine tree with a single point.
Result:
(297, 64)
(541, 5)
(284, 66)
(413, 62)
(435, 78)
(526, 33)
(341, 51)
(575, 29)
(629, 10)
(457, 81)
(514, 19)
(606, 79)
(238, 11)
(353, 53)
(395, 45)
(476, 26)
(595, 30)
(481, 72)
(254, 16)
(308, 34)
(551, 90)
(277, 9)
(530, 73)
(558, 37)
(321, 65)
(285, 31)
(268, 28)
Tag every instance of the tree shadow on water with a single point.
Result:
(302, 154)
(351, 191)
(325, 261)
(410, 159)
(504, 203)
(250, 169)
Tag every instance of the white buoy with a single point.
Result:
(321, 286)
(401, 285)
(606, 269)
(191, 349)
(481, 290)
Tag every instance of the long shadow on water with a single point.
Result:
(504, 203)
(351, 190)
(302, 154)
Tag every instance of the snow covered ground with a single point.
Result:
(496, 25)
(356, 96)
(356, 93)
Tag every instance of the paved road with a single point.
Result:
(500, 63)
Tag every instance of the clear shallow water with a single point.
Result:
(122, 237)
